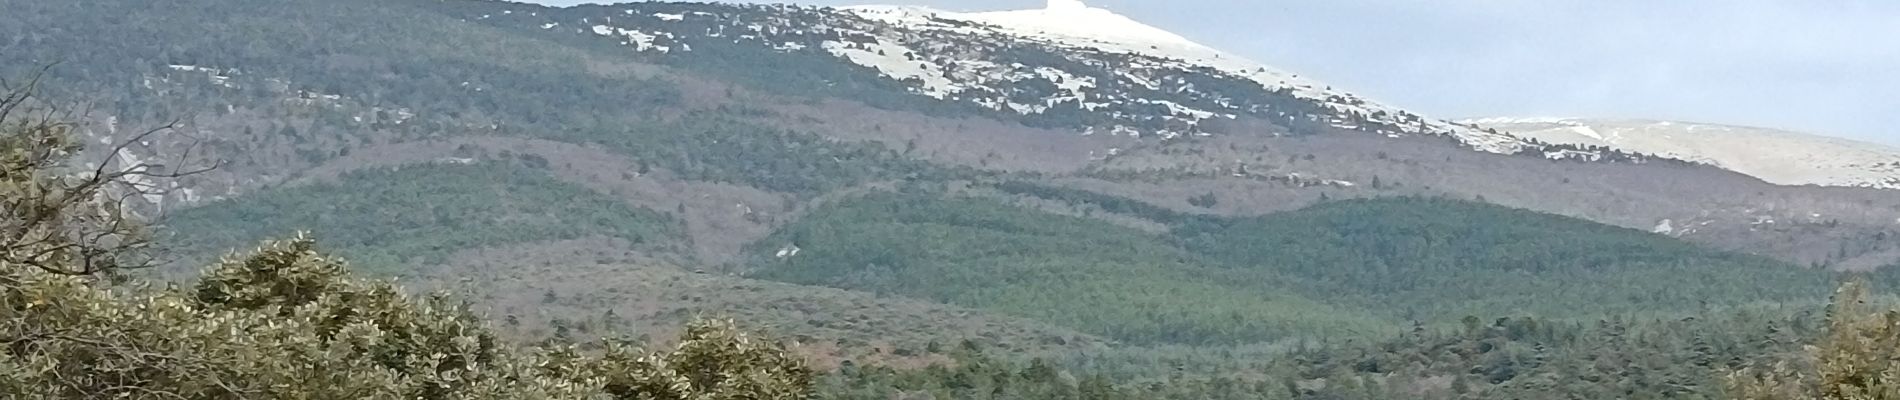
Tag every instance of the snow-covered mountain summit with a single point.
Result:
(1073, 23)
(1071, 66)
(1777, 156)
(1078, 27)
(1066, 66)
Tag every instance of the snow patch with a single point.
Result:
(1518, 120)
(789, 251)
(1587, 132)
(1665, 227)
(1178, 109)
(641, 41)
(1775, 156)
(894, 61)
(1072, 86)
(1076, 25)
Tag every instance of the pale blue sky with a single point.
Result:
(1827, 67)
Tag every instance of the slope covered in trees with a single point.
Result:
(1440, 260)
(1352, 268)
(1505, 359)
(1090, 275)
(284, 86)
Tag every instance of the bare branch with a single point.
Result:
(119, 149)
(17, 97)
(74, 224)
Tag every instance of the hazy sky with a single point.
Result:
(1828, 67)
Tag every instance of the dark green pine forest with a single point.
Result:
(1357, 267)
(484, 200)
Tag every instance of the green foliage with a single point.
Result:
(1853, 359)
(1504, 359)
(1340, 270)
(1527, 358)
(55, 220)
(832, 324)
(712, 361)
(1441, 260)
(974, 374)
(1090, 275)
(288, 322)
(422, 214)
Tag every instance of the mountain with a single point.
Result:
(1141, 57)
(1777, 156)
(735, 119)
(905, 187)
(1068, 66)
(426, 136)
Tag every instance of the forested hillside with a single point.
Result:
(1358, 268)
(1091, 275)
(282, 88)
(570, 174)
(1512, 358)
(1440, 260)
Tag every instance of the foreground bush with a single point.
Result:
(289, 323)
(1857, 359)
